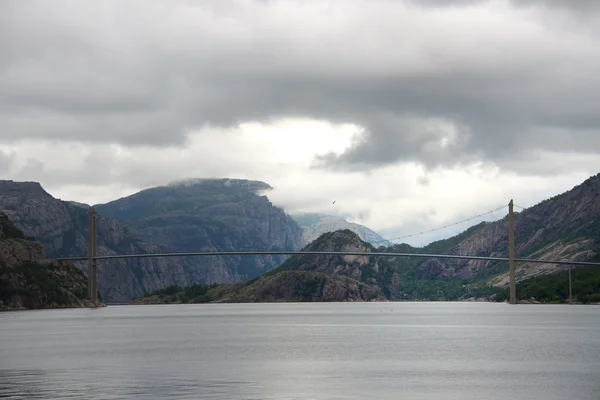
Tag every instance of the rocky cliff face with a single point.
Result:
(321, 277)
(63, 228)
(27, 280)
(211, 215)
(314, 225)
(303, 278)
(368, 270)
(565, 227)
(192, 216)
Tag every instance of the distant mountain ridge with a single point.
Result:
(211, 215)
(315, 224)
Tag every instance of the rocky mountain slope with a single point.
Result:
(229, 214)
(193, 216)
(27, 280)
(63, 229)
(314, 225)
(564, 227)
(211, 215)
(310, 278)
(367, 270)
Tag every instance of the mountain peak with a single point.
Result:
(28, 188)
(339, 240)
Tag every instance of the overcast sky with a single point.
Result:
(409, 115)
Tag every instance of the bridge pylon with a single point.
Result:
(511, 254)
(92, 268)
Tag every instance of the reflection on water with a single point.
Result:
(303, 351)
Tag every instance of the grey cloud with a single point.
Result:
(423, 181)
(99, 168)
(161, 69)
(7, 160)
(33, 168)
(573, 5)
(391, 139)
(577, 5)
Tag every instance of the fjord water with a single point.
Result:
(303, 351)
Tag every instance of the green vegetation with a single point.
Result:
(40, 285)
(31, 283)
(555, 288)
(380, 271)
(311, 285)
(191, 294)
(308, 277)
(182, 199)
(447, 289)
(40, 280)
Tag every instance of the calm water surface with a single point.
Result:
(303, 351)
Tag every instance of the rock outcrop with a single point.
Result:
(369, 270)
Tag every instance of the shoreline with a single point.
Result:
(54, 307)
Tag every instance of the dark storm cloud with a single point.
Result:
(145, 73)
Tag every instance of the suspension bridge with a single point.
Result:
(92, 258)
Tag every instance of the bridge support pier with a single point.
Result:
(511, 253)
(92, 270)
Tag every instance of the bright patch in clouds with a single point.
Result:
(393, 200)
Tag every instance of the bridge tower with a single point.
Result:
(92, 270)
(511, 253)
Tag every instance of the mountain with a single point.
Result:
(203, 215)
(63, 229)
(564, 227)
(314, 225)
(28, 281)
(307, 278)
(211, 215)
(233, 215)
